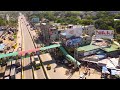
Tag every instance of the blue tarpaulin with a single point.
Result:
(105, 70)
(113, 72)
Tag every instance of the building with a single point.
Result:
(68, 40)
(98, 48)
(87, 50)
(53, 34)
(112, 51)
(86, 39)
(78, 30)
(44, 27)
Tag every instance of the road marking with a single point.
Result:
(22, 49)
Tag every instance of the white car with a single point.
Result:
(37, 62)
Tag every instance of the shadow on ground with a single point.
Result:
(27, 67)
(1, 75)
(48, 62)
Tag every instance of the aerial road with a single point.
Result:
(28, 70)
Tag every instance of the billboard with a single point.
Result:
(104, 34)
(73, 42)
(35, 20)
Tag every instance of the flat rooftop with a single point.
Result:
(113, 47)
(87, 48)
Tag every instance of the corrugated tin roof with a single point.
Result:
(112, 48)
(87, 48)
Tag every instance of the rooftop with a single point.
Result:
(113, 47)
(87, 48)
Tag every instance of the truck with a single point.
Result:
(36, 62)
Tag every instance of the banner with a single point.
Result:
(104, 34)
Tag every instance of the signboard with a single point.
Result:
(104, 34)
(72, 42)
(35, 20)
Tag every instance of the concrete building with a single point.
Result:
(45, 27)
(110, 49)
(89, 30)
(78, 30)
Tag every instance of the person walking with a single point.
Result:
(54, 70)
(89, 72)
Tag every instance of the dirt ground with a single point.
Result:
(7, 41)
(94, 74)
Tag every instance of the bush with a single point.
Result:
(15, 36)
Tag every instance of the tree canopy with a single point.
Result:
(101, 20)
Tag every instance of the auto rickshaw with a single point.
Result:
(48, 67)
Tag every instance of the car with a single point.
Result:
(48, 67)
(7, 77)
(36, 62)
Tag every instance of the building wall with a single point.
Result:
(45, 31)
(89, 30)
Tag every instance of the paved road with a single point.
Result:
(28, 44)
(29, 72)
(38, 74)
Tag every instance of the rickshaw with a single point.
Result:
(48, 67)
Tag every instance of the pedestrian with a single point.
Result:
(54, 70)
(89, 71)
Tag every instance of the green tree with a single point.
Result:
(12, 23)
(86, 22)
(2, 22)
(117, 16)
(105, 24)
(117, 26)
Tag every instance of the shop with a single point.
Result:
(86, 50)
